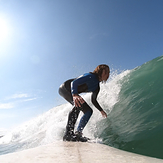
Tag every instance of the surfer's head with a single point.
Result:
(103, 72)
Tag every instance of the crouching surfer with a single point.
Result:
(70, 90)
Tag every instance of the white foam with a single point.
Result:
(50, 126)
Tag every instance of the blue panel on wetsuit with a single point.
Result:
(90, 79)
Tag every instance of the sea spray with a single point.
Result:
(50, 126)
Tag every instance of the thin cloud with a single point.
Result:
(6, 106)
(31, 99)
(15, 100)
(21, 95)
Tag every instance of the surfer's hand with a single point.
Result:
(78, 100)
(103, 114)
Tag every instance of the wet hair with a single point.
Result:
(99, 69)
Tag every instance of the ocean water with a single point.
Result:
(133, 101)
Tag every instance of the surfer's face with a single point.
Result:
(105, 75)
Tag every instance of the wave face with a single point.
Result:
(136, 121)
(133, 101)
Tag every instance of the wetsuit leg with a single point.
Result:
(65, 92)
(72, 118)
(85, 118)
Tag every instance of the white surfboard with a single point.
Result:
(75, 152)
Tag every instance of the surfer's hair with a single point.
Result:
(99, 69)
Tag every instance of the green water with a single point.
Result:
(136, 122)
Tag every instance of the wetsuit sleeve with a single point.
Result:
(94, 99)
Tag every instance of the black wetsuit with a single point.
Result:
(88, 82)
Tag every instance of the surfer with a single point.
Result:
(70, 90)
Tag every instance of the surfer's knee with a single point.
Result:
(90, 111)
(85, 108)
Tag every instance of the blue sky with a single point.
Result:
(45, 42)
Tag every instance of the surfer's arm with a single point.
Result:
(96, 104)
(75, 84)
(94, 99)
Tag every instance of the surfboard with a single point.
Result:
(75, 152)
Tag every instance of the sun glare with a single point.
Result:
(4, 29)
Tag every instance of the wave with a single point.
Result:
(133, 101)
(135, 123)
